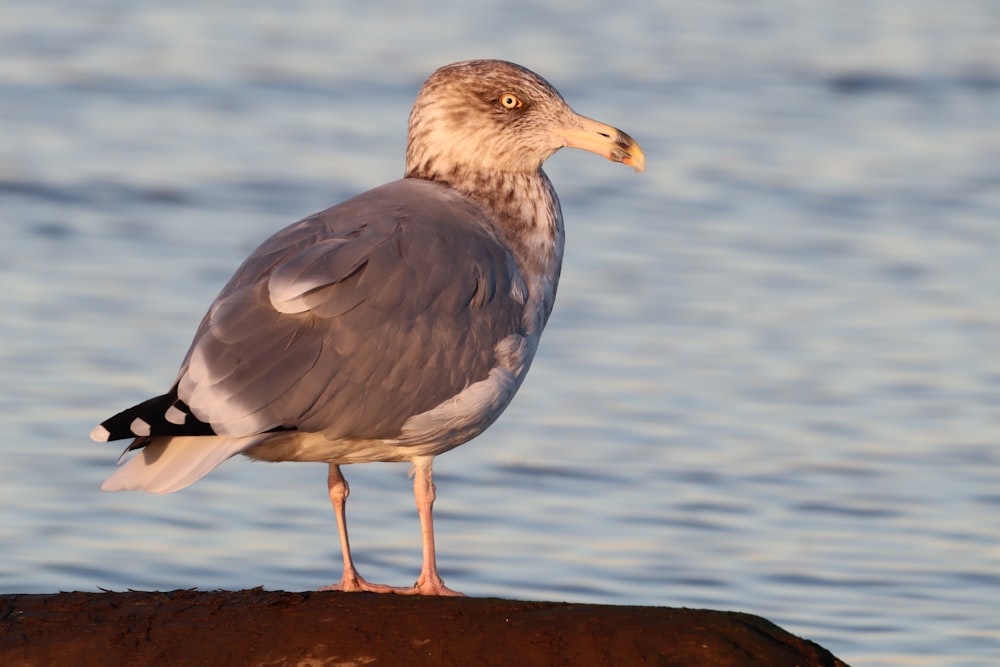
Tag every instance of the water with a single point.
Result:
(772, 379)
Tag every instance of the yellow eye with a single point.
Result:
(510, 101)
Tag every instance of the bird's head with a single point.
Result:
(491, 116)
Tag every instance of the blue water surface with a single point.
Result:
(772, 379)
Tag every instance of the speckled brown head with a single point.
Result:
(495, 116)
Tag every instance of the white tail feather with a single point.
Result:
(169, 464)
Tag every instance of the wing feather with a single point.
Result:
(356, 319)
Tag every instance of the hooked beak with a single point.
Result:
(612, 143)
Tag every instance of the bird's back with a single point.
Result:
(366, 314)
(347, 323)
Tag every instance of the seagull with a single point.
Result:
(394, 326)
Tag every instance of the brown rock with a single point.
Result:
(276, 628)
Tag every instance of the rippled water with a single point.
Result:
(772, 379)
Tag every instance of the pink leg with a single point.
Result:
(351, 581)
(429, 582)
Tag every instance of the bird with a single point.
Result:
(394, 326)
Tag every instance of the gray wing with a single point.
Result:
(357, 318)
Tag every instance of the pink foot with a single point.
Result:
(356, 584)
(441, 590)
(430, 587)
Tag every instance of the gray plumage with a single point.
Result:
(393, 326)
(323, 327)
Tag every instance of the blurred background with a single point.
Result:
(772, 379)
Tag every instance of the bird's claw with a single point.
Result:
(356, 584)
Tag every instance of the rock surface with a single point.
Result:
(277, 628)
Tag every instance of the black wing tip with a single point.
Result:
(164, 415)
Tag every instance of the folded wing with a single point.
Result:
(355, 319)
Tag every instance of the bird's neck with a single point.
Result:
(527, 218)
